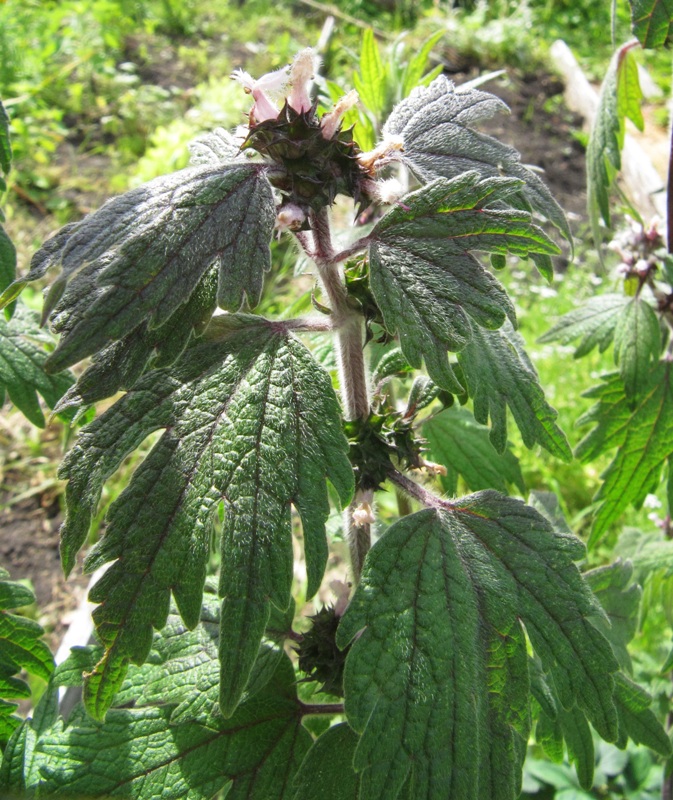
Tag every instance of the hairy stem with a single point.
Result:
(418, 492)
(348, 324)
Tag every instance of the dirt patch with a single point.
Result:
(30, 517)
(544, 131)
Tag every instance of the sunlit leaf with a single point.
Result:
(594, 322)
(435, 125)
(643, 435)
(250, 421)
(426, 282)
(652, 21)
(437, 682)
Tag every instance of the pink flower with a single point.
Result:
(273, 82)
(302, 72)
(331, 121)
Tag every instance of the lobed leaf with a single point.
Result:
(594, 322)
(637, 344)
(22, 360)
(21, 648)
(141, 256)
(643, 435)
(370, 83)
(619, 596)
(498, 374)
(250, 420)
(435, 126)
(143, 753)
(619, 100)
(463, 447)
(652, 21)
(428, 285)
(437, 681)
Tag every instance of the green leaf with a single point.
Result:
(251, 421)
(22, 361)
(619, 100)
(434, 124)
(637, 721)
(498, 374)
(620, 598)
(579, 742)
(121, 363)
(594, 322)
(327, 770)
(637, 344)
(643, 435)
(371, 81)
(183, 667)
(141, 255)
(21, 648)
(652, 21)
(141, 753)
(7, 260)
(426, 283)
(413, 74)
(437, 682)
(5, 144)
(463, 447)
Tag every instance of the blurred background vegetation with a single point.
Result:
(106, 94)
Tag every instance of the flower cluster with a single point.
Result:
(317, 159)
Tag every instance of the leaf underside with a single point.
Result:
(250, 421)
(437, 683)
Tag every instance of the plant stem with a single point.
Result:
(320, 708)
(348, 324)
(418, 492)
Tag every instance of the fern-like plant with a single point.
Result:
(468, 617)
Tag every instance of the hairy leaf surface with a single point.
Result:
(21, 648)
(142, 254)
(251, 421)
(437, 683)
(463, 447)
(637, 345)
(652, 21)
(498, 374)
(594, 322)
(142, 753)
(619, 100)
(22, 360)
(428, 285)
(327, 770)
(120, 364)
(435, 125)
(643, 435)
